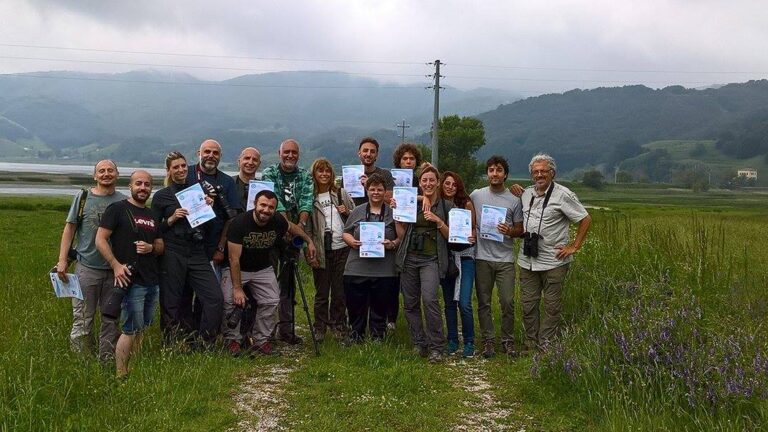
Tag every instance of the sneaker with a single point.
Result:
(421, 351)
(291, 339)
(265, 349)
(488, 349)
(469, 350)
(234, 348)
(391, 326)
(509, 349)
(435, 357)
(451, 348)
(350, 340)
(319, 335)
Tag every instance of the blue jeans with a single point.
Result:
(464, 304)
(139, 308)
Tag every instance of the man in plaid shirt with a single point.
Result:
(294, 188)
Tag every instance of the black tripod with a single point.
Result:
(290, 265)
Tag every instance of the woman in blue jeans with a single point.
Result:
(458, 291)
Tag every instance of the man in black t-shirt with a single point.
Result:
(250, 238)
(129, 240)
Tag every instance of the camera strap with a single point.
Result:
(543, 206)
(368, 212)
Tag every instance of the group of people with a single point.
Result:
(235, 275)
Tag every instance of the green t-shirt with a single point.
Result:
(85, 238)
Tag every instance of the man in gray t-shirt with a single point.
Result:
(94, 273)
(495, 260)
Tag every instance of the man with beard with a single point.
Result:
(221, 188)
(251, 236)
(294, 188)
(368, 152)
(93, 272)
(129, 240)
(495, 260)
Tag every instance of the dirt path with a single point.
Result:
(485, 411)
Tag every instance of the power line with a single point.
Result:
(192, 66)
(218, 56)
(562, 69)
(571, 80)
(207, 83)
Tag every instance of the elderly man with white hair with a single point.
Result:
(546, 250)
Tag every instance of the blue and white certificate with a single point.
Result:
(372, 236)
(402, 176)
(192, 199)
(254, 187)
(459, 225)
(405, 198)
(69, 289)
(350, 175)
(490, 218)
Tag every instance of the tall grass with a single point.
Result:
(667, 324)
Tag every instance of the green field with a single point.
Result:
(666, 314)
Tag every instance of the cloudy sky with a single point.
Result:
(528, 46)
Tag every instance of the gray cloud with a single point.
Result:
(565, 44)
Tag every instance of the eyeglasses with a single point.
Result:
(541, 172)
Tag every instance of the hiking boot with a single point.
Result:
(451, 348)
(265, 349)
(234, 349)
(509, 349)
(469, 350)
(488, 349)
(421, 351)
(391, 326)
(435, 357)
(319, 335)
(291, 339)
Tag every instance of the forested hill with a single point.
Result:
(585, 127)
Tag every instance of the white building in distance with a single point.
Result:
(749, 173)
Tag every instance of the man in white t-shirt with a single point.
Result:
(545, 253)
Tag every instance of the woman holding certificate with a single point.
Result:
(422, 260)
(330, 209)
(457, 291)
(370, 268)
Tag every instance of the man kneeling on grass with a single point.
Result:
(250, 238)
(129, 240)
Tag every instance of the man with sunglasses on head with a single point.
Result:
(93, 272)
(546, 252)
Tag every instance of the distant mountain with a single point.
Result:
(585, 127)
(152, 111)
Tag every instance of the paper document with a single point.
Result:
(69, 289)
(402, 176)
(351, 175)
(372, 236)
(490, 218)
(406, 200)
(459, 225)
(254, 187)
(193, 200)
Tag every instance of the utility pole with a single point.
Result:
(403, 127)
(436, 113)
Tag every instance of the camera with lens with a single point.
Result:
(327, 240)
(417, 241)
(531, 244)
(218, 193)
(115, 301)
(233, 318)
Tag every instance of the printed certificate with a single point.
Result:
(193, 200)
(69, 289)
(351, 175)
(405, 198)
(403, 176)
(459, 225)
(490, 217)
(372, 236)
(254, 187)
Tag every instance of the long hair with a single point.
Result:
(461, 198)
(172, 156)
(323, 163)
